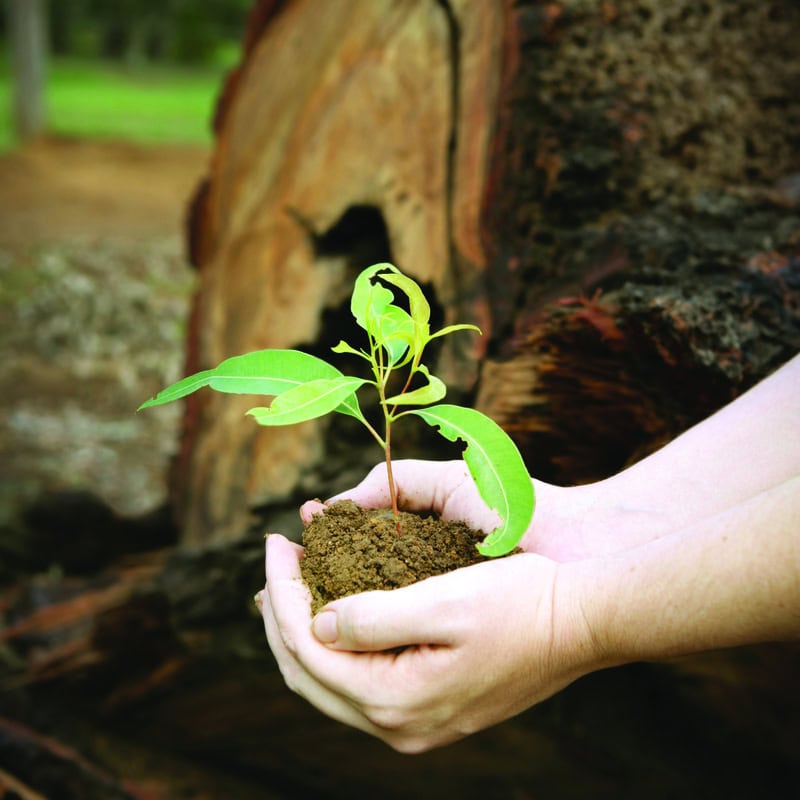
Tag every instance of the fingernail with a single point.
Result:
(257, 599)
(324, 627)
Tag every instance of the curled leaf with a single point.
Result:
(497, 468)
(433, 391)
(368, 297)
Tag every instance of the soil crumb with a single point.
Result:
(350, 549)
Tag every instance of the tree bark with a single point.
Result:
(370, 143)
(605, 189)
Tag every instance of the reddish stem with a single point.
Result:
(390, 476)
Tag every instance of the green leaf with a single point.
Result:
(373, 307)
(307, 401)
(395, 331)
(432, 392)
(496, 467)
(419, 307)
(343, 347)
(180, 389)
(453, 328)
(267, 372)
(368, 296)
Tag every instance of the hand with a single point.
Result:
(479, 645)
(441, 486)
(569, 523)
(689, 550)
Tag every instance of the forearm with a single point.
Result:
(745, 448)
(728, 580)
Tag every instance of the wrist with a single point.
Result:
(576, 630)
(726, 581)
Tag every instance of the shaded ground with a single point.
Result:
(94, 288)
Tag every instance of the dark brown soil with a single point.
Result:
(350, 550)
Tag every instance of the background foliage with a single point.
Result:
(141, 70)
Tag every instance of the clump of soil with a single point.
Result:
(350, 549)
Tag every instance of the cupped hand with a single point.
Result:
(445, 487)
(430, 663)
(558, 530)
(569, 523)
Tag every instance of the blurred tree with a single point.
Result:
(137, 31)
(27, 32)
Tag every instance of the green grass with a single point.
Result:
(152, 104)
(6, 125)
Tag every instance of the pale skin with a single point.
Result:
(696, 547)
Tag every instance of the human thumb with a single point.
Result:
(374, 621)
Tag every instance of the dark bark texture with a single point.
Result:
(611, 190)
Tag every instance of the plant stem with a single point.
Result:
(390, 476)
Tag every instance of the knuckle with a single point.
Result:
(377, 473)
(410, 746)
(387, 718)
(288, 640)
(357, 625)
(291, 677)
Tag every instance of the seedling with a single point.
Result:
(306, 387)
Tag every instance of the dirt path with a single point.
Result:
(94, 291)
(64, 188)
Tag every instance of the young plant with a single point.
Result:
(306, 387)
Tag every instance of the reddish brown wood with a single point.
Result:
(382, 109)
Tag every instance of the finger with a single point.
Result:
(304, 684)
(416, 490)
(421, 485)
(425, 613)
(286, 613)
(310, 508)
(372, 492)
(284, 582)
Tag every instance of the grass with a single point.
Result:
(93, 99)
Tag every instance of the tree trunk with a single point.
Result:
(608, 190)
(27, 30)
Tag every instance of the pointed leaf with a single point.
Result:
(496, 467)
(267, 372)
(180, 389)
(432, 392)
(307, 401)
(343, 347)
(453, 328)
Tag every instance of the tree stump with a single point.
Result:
(607, 189)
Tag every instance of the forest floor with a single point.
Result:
(94, 294)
